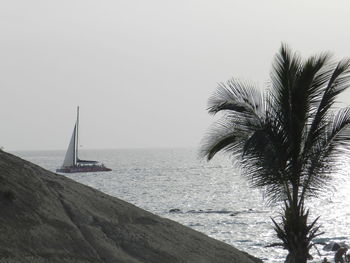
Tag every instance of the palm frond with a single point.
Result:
(286, 68)
(323, 157)
(309, 80)
(339, 134)
(264, 161)
(236, 96)
(243, 110)
(227, 134)
(338, 82)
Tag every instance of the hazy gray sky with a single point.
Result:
(142, 71)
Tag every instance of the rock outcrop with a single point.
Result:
(46, 217)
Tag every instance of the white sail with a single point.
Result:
(70, 158)
(72, 164)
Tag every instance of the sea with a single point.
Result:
(212, 197)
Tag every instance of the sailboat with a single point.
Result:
(72, 163)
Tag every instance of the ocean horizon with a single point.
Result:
(211, 197)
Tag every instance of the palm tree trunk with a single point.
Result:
(299, 254)
(296, 234)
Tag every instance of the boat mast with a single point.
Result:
(77, 141)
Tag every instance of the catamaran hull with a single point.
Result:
(83, 169)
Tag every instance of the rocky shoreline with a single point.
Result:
(46, 217)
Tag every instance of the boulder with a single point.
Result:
(46, 217)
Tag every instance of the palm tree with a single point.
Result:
(286, 140)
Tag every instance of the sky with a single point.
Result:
(142, 71)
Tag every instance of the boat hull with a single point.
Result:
(83, 169)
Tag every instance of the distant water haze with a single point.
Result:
(142, 71)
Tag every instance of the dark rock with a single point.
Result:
(234, 214)
(175, 210)
(55, 219)
(334, 246)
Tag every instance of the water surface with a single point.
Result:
(213, 198)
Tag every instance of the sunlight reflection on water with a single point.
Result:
(212, 197)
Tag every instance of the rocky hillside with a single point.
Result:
(47, 217)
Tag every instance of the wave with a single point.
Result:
(211, 211)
